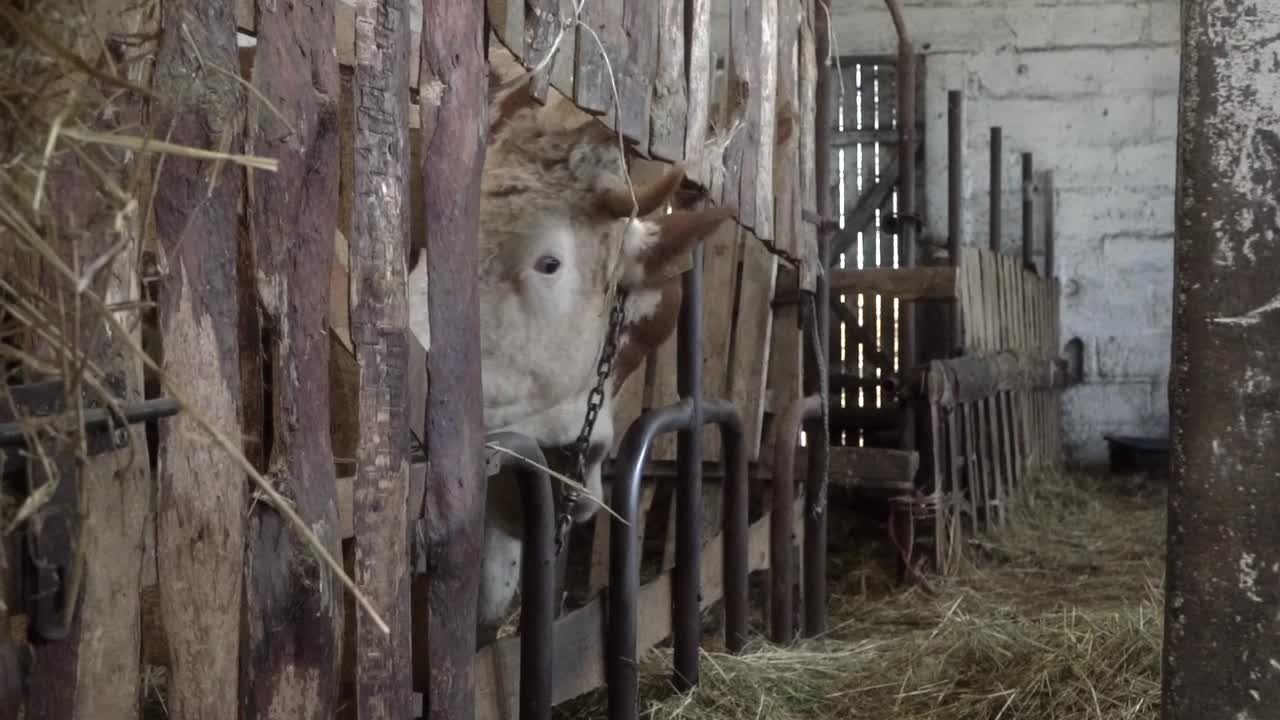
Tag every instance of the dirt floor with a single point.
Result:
(1056, 617)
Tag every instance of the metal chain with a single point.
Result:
(595, 401)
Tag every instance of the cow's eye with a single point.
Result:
(547, 265)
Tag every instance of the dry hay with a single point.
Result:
(1056, 617)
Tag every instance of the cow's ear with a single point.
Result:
(616, 202)
(671, 236)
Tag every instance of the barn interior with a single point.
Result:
(968, 410)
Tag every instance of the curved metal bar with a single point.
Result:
(537, 572)
(782, 517)
(732, 436)
(686, 618)
(818, 471)
(624, 554)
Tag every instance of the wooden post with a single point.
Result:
(294, 216)
(201, 506)
(454, 127)
(95, 670)
(1222, 638)
(1050, 250)
(1028, 214)
(379, 326)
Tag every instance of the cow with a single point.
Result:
(556, 233)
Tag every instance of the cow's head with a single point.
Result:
(556, 234)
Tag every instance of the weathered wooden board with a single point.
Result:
(923, 282)
(294, 214)
(379, 329)
(720, 260)
(634, 68)
(592, 83)
(700, 93)
(739, 156)
(763, 19)
(749, 362)
(670, 97)
(200, 522)
(541, 26)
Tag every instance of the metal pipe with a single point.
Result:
(686, 626)
(817, 474)
(1028, 214)
(908, 219)
(1049, 249)
(736, 487)
(818, 364)
(997, 151)
(782, 517)
(537, 573)
(98, 419)
(955, 172)
(624, 554)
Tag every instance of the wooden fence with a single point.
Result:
(993, 411)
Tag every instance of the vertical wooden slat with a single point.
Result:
(670, 103)
(541, 25)
(749, 366)
(739, 158)
(453, 157)
(506, 19)
(634, 67)
(719, 278)
(764, 28)
(940, 487)
(200, 512)
(294, 217)
(592, 87)
(698, 29)
(955, 460)
(379, 322)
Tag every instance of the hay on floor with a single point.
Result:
(1058, 616)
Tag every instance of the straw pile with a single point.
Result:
(1056, 617)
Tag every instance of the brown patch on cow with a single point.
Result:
(642, 336)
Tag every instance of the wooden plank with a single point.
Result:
(940, 487)
(661, 367)
(749, 364)
(973, 471)
(506, 20)
(580, 635)
(990, 462)
(785, 358)
(995, 441)
(807, 83)
(200, 525)
(541, 26)
(872, 467)
(763, 17)
(923, 282)
(592, 87)
(670, 100)
(634, 67)
(719, 290)
(739, 160)
(294, 213)
(786, 200)
(380, 319)
(698, 20)
(598, 574)
(454, 154)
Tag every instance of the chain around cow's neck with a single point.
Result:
(595, 400)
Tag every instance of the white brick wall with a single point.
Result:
(1090, 88)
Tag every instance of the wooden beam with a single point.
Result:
(853, 138)
(200, 526)
(379, 328)
(922, 282)
(874, 468)
(294, 215)
(453, 159)
(971, 378)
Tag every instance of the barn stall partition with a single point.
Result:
(944, 436)
(305, 292)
